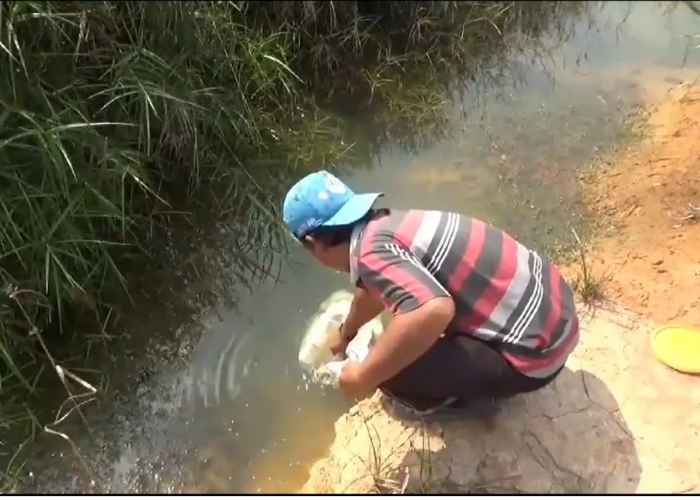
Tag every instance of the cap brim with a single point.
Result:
(353, 210)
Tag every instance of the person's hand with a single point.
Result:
(329, 374)
(341, 341)
(353, 383)
(338, 346)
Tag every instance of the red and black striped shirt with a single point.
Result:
(504, 293)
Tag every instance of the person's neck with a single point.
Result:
(344, 257)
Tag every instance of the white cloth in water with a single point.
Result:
(314, 352)
(357, 350)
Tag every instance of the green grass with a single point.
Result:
(118, 119)
(589, 283)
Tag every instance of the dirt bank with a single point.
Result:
(647, 203)
(616, 421)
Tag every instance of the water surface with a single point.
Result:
(234, 414)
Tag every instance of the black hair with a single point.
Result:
(333, 236)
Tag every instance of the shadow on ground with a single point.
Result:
(566, 438)
(556, 440)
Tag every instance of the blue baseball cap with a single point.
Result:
(322, 200)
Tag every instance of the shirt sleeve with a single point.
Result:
(397, 276)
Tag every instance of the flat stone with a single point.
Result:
(615, 421)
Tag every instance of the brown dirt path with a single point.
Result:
(647, 202)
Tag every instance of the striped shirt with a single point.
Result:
(504, 293)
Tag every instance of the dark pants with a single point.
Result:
(459, 367)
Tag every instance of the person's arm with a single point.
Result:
(421, 306)
(364, 308)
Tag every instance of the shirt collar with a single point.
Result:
(355, 238)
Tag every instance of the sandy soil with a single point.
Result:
(647, 203)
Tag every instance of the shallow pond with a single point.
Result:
(233, 412)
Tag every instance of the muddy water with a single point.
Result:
(237, 415)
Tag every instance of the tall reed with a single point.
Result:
(114, 117)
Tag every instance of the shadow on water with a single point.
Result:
(229, 411)
(536, 457)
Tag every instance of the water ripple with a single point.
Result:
(213, 383)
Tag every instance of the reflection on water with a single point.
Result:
(240, 417)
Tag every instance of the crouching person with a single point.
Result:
(476, 315)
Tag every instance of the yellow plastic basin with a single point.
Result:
(678, 347)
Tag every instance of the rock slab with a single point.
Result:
(614, 421)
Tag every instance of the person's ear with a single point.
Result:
(309, 242)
